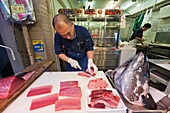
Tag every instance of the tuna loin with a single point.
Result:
(10, 85)
(71, 92)
(65, 84)
(68, 104)
(39, 90)
(44, 101)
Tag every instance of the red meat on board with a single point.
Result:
(9, 85)
(97, 83)
(87, 73)
(44, 101)
(84, 74)
(103, 98)
(68, 104)
(39, 90)
(28, 75)
(66, 84)
(71, 92)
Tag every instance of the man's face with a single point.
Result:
(145, 28)
(66, 31)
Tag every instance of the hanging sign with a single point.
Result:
(90, 11)
(39, 58)
(68, 11)
(38, 45)
(18, 8)
(21, 11)
(112, 12)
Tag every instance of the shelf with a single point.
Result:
(102, 37)
(109, 37)
(112, 27)
(97, 38)
(102, 29)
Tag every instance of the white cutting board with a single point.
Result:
(22, 103)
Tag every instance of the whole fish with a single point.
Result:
(131, 78)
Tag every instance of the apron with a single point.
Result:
(133, 43)
(81, 59)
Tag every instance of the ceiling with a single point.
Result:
(95, 4)
(111, 4)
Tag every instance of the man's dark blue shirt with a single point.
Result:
(137, 33)
(77, 47)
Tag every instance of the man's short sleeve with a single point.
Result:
(138, 33)
(89, 42)
(58, 45)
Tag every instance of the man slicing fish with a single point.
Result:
(73, 44)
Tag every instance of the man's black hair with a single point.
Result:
(147, 25)
(63, 17)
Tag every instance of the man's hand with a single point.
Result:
(142, 39)
(74, 63)
(92, 65)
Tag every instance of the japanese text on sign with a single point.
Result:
(19, 8)
(68, 11)
(112, 12)
(89, 11)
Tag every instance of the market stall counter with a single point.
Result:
(23, 102)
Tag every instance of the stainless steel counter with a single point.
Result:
(164, 63)
(160, 44)
(160, 69)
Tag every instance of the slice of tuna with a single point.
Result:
(68, 104)
(103, 96)
(9, 85)
(84, 74)
(87, 73)
(97, 83)
(109, 100)
(39, 90)
(97, 105)
(44, 101)
(99, 92)
(71, 92)
(28, 75)
(65, 84)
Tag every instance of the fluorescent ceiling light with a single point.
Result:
(89, 3)
(111, 4)
(127, 5)
(138, 4)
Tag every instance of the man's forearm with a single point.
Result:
(90, 54)
(63, 57)
(138, 38)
